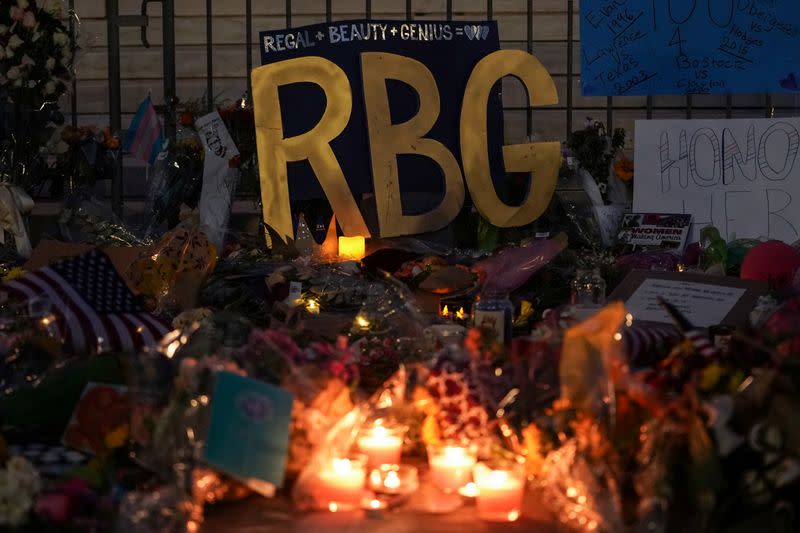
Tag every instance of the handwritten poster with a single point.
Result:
(702, 304)
(643, 47)
(742, 176)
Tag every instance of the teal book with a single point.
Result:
(249, 433)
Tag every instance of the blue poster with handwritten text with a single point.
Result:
(647, 47)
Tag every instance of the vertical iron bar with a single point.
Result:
(688, 106)
(770, 110)
(248, 31)
(209, 57)
(328, 11)
(649, 107)
(489, 9)
(529, 48)
(114, 97)
(449, 10)
(570, 66)
(368, 8)
(73, 98)
(170, 90)
(409, 12)
(728, 106)
(610, 114)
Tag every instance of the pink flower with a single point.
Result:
(54, 507)
(29, 20)
(17, 13)
(26, 61)
(13, 73)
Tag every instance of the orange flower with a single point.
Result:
(623, 168)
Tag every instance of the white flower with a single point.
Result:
(54, 8)
(23, 4)
(9, 52)
(31, 84)
(14, 509)
(15, 42)
(60, 38)
(50, 64)
(50, 88)
(13, 73)
(26, 476)
(17, 83)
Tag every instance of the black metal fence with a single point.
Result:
(115, 21)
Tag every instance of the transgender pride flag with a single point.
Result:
(145, 136)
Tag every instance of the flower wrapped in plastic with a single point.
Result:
(172, 271)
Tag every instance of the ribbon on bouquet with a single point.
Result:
(14, 203)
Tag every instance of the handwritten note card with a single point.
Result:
(704, 305)
(249, 433)
(642, 47)
(742, 176)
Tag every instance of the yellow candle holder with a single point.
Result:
(352, 248)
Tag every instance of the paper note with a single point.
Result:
(742, 176)
(642, 47)
(703, 304)
(651, 231)
(249, 433)
(219, 180)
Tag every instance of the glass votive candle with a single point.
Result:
(383, 445)
(342, 482)
(451, 466)
(393, 479)
(500, 492)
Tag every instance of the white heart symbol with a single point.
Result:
(469, 31)
(484, 32)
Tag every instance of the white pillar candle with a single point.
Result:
(342, 483)
(450, 466)
(500, 493)
(383, 446)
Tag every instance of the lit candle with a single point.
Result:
(451, 466)
(382, 445)
(500, 492)
(312, 306)
(352, 248)
(342, 483)
(393, 479)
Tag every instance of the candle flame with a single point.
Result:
(342, 466)
(513, 516)
(362, 322)
(312, 305)
(470, 490)
(375, 504)
(446, 311)
(460, 313)
(392, 480)
(333, 507)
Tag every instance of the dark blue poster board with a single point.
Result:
(449, 49)
(646, 47)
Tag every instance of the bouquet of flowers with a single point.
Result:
(36, 66)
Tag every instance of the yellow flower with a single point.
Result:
(13, 274)
(624, 169)
(117, 437)
(710, 377)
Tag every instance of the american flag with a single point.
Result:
(93, 308)
(145, 137)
